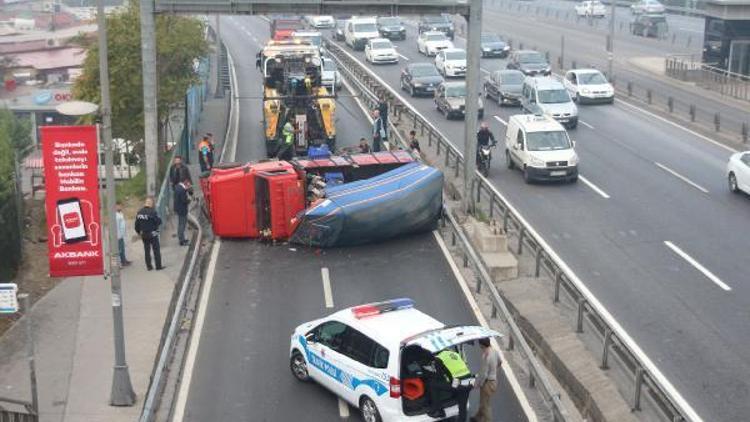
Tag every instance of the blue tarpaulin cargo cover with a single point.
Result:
(402, 201)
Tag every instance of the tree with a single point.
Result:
(179, 41)
(10, 231)
(18, 132)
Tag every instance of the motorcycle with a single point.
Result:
(483, 161)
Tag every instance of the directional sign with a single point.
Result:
(8, 300)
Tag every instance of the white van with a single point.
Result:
(541, 95)
(541, 148)
(359, 30)
(372, 357)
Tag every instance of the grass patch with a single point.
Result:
(134, 188)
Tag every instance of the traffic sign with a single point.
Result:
(8, 299)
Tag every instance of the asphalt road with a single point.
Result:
(645, 182)
(261, 292)
(586, 46)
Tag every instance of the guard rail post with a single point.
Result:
(692, 112)
(579, 319)
(558, 281)
(605, 348)
(637, 389)
(538, 259)
(717, 121)
(744, 131)
(670, 104)
(649, 96)
(520, 240)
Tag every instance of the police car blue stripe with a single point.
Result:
(339, 375)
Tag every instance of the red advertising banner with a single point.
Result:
(71, 165)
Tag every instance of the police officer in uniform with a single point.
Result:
(147, 224)
(451, 374)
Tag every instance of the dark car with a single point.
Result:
(649, 26)
(530, 62)
(494, 46)
(391, 27)
(440, 23)
(420, 79)
(338, 30)
(504, 86)
(450, 99)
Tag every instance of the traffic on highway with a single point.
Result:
(347, 303)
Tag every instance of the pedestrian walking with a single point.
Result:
(414, 142)
(121, 232)
(147, 223)
(178, 171)
(205, 154)
(181, 202)
(486, 380)
(378, 132)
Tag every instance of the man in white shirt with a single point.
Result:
(121, 230)
(486, 380)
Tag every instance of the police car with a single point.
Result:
(372, 357)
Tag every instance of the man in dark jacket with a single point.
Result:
(178, 172)
(383, 110)
(181, 201)
(147, 224)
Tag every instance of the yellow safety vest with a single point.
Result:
(454, 364)
(288, 134)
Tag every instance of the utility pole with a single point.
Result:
(473, 47)
(122, 393)
(611, 44)
(150, 123)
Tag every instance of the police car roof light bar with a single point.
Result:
(378, 308)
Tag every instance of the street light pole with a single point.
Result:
(473, 47)
(611, 43)
(122, 393)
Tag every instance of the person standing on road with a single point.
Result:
(286, 149)
(205, 154)
(178, 172)
(383, 110)
(486, 380)
(121, 232)
(181, 202)
(147, 224)
(451, 374)
(378, 131)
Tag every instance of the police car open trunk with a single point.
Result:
(419, 351)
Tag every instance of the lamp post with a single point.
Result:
(122, 393)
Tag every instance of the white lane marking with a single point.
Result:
(343, 409)
(402, 56)
(327, 294)
(692, 132)
(509, 374)
(499, 119)
(585, 124)
(681, 177)
(692, 415)
(697, 265)
(594, 187)
(187, 373)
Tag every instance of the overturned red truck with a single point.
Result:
(325, 202)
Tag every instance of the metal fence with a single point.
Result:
(194, 98)
(647, 380)
(16, 411)
(685, 68)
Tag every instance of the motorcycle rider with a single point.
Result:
(484, 138)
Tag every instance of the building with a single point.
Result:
(726, 42)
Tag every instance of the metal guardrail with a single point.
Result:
(535, 371)
(615, 340)
(19, 411)
(728, 83)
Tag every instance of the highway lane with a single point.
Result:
(691, 327)
(261, 292)
(587, 48)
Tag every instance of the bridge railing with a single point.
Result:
(616, 343)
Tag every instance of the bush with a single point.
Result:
(10, 231)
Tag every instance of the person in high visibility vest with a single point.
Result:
(451, 374)
(286, 149)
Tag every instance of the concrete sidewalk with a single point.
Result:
(73, 326)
